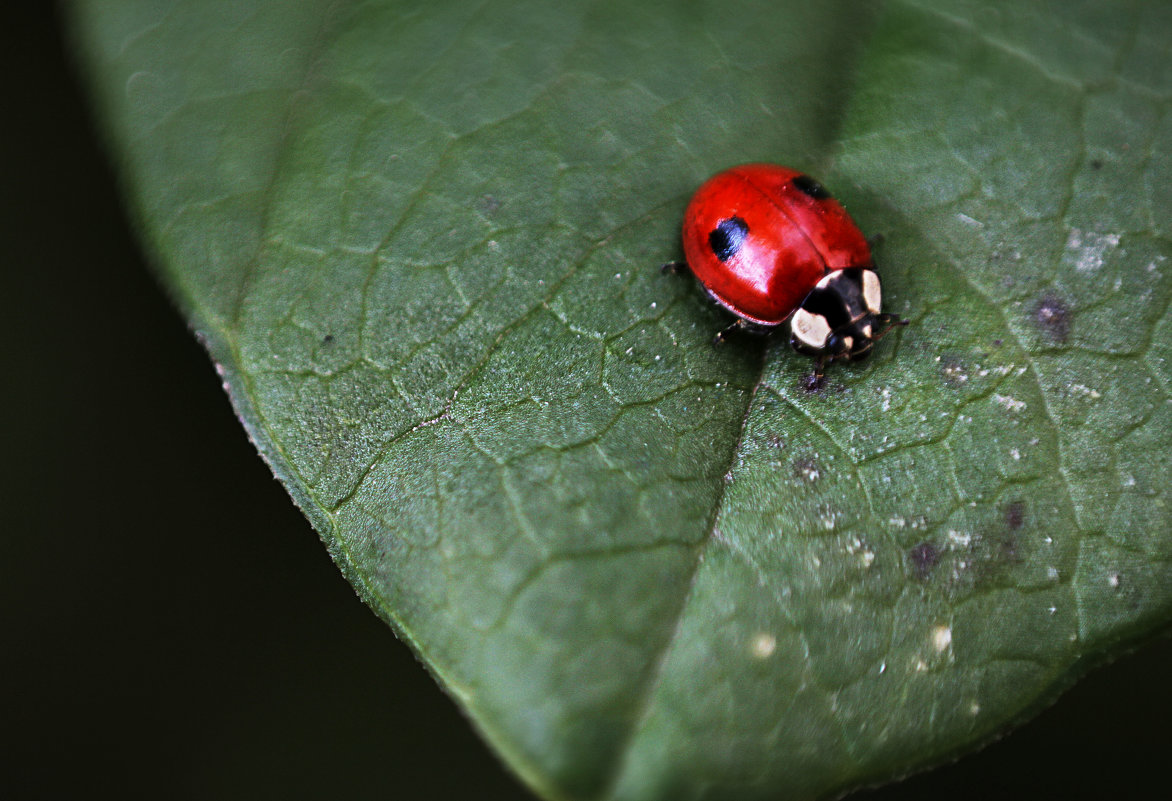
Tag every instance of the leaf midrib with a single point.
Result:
(655, 676)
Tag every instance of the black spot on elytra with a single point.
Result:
(727, 237)
(1053, 316)
(923, 558)
(1015, 515)
(808, 186)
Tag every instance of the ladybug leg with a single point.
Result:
(726, 332)
(817, 379)
(820, 367)
(674, 267)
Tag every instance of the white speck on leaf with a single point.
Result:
(941, 638)
(764, 644)
(958, 539)
(1088, 249)
(1010, 403)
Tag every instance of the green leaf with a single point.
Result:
(420, 242)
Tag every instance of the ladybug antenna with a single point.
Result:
(886, 322)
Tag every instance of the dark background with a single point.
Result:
(172, 627)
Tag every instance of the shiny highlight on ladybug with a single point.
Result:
(772, 246)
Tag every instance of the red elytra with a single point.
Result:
(759, 237)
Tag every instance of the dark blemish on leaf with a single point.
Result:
(1015, 515)
(328, 338)
(923, 558)
(727, 237)
(776, 442)
(997, 343)
(1053, 317)
(807, 468)
(488, 205)
(1096, 164)
(808, 186)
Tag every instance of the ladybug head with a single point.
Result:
(840, 318)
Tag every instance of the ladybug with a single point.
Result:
(772, 246)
